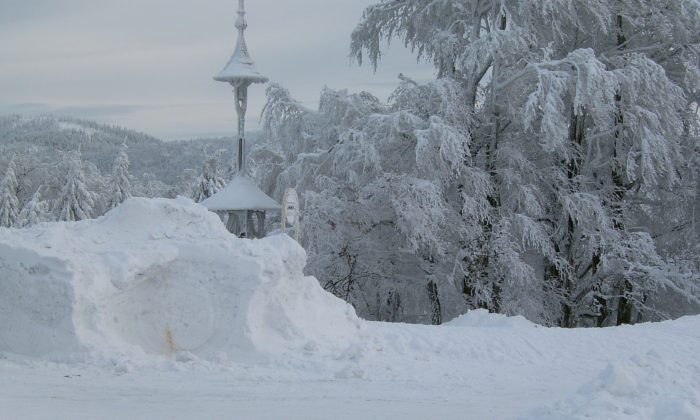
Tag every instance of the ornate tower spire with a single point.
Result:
(241, 204)
(241, 72)
(241, 23)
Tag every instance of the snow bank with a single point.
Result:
(482, 318)
(162, 276)
(643, 387)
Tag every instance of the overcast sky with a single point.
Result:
(148, 64)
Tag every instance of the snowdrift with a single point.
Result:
(162, 276)
(481, 318)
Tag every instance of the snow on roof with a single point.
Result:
(241, 66)
(240, 194)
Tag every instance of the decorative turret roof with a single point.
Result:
(240, 194)
(241, 67)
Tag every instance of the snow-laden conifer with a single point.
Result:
(35, 211)
(75, 201)
(209, 182)
(121, 185)
(9, 204)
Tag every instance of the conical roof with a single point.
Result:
(241, 67)
(240, 194)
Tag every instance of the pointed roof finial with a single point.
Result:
(241, 69)
(241, 23)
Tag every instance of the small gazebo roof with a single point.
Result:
(240, 194)
(241, 67)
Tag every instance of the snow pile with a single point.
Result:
(158, 277)
(482, 318)
(643, 387)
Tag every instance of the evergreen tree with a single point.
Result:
(121, 186)
(209, 182)
(35, 211)
(9, 204)
(75, 201)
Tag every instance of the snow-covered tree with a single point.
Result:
(579, 110)
(75, 201)
(524, 180)
(376, 179)
(121, 186)
(35, 211)
(9, 204)
(209, 182)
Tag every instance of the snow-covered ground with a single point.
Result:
(155, 311)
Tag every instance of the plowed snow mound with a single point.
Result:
(481, 318)
(162, 276)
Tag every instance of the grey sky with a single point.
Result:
(148, 64)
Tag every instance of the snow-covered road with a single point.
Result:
(45, 394)
(487, 367)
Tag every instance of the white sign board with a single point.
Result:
(291, 213)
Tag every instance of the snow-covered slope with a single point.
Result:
(155, 311)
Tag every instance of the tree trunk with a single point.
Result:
(435, 307)
(625, 308)
(495, 200)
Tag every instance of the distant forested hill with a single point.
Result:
(158, 168)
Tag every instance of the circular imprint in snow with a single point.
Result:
(168, 310)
